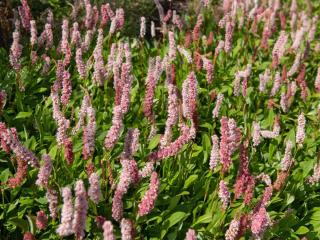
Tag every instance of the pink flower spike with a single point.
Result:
(176, 20)
(215, 152)
(315, 178)
(66, 88)
(230, 139)
(142, 27)
(224, 194)
(131, 143)
(172, 46)
(117, 205)
(301, 129)
(189, 96)
(228, 35)
(197, 27)
(114, 131)
(108, 231)
(80, 64)
(65, 227)
(25, 14)
(28, 236)
(44, 172)
(276, 84)
(99, 74)
(80, 210)
(33, 33)
(279, 48)
(256, 137)
(127, 229)
(172, 117)
(94, 191)
(317, 81)
(104, 15)
(75, 35)
(15, 51)
(185, 53)
(191, 235)
(52, 198)
(232, 232)
(286, 160)
(147, 203)
(216, 110)
(41, 220)
(89, 132)
(260, 222)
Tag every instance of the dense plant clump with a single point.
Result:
(200, 127)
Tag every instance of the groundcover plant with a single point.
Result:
(203, 126)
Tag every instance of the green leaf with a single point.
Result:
(206, 125)
(290, 199)
(183, 193)
(292, 136)
(12, 207)
(270, 119)
(175, 218)
(53, 152)
(23, 115)
(174, 202)
(4, 175)
(41, 90)
(31, 221)
(26, 201)
(315, 218)
(154, 142)
(206, 141)
(23, 224)
(237, 48)
(306, 166)
(206, 218)
(190, 181)
(24, 73)
(196, 150)
(302, 230)
(42, 200)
